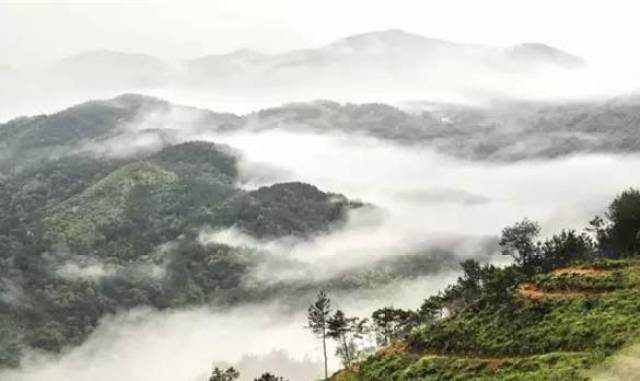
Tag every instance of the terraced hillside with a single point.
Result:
(568, 324)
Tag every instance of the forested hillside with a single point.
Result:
(504, 131)
(501, 132)
(562, 311)
(84, 235)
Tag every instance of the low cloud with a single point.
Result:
(428, 209)
(146, 345)
(439, 195)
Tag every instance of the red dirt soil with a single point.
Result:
(587, 273)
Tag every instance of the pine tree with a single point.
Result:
(318, 319)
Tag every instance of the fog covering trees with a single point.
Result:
(83, 236)
(96, 234)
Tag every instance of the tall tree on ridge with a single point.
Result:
(318, 321)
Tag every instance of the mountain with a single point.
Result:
(84, 234)
(111, 69)
(388, 66)
(95, 127)
(382, 64)
(503, 131)
(392, 49)
(392, 58)
(106, 205)
(133, 124)
(536, 53)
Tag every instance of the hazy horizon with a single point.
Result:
(183, 30)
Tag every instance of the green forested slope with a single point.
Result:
(562, 333)
(566, 310)
(84, 235)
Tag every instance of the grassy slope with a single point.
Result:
(574, 332)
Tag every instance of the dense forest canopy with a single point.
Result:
(83, 236)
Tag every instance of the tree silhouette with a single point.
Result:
(346, 331)
(269, 377)
(229, 374)
(318, 319)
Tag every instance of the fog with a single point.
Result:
(420, 206)
(419, 201)
(422, 200)
(405, 181)
(184, 345)
(25, 92)
(416, 201)
(386, 65)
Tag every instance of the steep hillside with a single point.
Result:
(561, 326)
(565, 310)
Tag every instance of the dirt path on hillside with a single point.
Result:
(586, 273)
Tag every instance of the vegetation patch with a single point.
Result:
(563, 311)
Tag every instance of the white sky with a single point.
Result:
(36, 32)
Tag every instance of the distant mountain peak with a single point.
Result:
(393, 38)
(131, 100)
(107, 54)
(531, 51)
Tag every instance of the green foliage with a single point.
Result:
(284, 209)
(557, 338)
(82, 237)
(551, 339)
(559, 310)
(564, 249)
(347, 332)
(518, 241)
(622, 234)
(392, 324)
(319, 313)
(553, 366)
(77, 221)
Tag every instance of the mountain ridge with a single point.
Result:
(492, 133)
